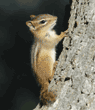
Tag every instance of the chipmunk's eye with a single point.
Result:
(42, 22)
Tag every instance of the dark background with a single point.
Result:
(18, 88)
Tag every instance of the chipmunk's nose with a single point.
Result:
(28, 23)
(55, 18)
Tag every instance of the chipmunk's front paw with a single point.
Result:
(66, 31)
(64, 34)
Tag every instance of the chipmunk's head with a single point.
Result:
(41, 23)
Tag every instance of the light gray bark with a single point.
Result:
(74, 79)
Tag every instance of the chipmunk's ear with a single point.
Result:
(32, 16)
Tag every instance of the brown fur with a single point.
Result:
(43, 52)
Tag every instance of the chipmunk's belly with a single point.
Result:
(50, 53)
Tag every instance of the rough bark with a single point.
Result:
(74, 79)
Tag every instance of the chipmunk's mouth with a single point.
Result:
(53, 25)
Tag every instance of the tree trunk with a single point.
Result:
(74, 79)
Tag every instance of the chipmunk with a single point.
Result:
(43, 52)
